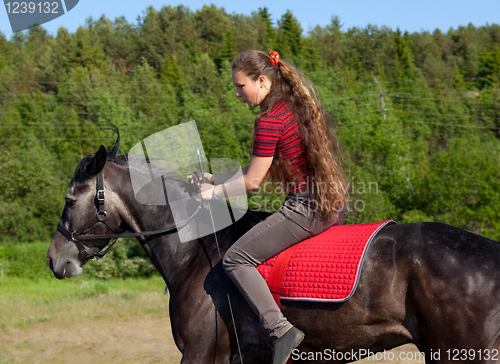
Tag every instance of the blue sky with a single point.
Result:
(413, 16)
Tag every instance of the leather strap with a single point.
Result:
(278, 272)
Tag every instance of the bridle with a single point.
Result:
(78, 235)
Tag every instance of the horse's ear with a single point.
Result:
(98, 162)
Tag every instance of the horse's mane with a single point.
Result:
(81, 175)
(157, 170)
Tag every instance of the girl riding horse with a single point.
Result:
(292, 143)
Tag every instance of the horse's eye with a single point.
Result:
(70, 202)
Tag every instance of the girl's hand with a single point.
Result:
(209, 178)
(207, 191)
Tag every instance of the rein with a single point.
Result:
(78, 235)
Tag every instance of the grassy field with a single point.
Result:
(87, 320)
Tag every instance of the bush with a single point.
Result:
(28, 260)
(126, 259)
(24, 260)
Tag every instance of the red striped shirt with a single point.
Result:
(279, 129)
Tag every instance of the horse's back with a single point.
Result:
(448, 253)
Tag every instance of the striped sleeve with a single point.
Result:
(267, 133)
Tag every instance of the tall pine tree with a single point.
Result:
(270, 38)
(228, 50)
(289, 35)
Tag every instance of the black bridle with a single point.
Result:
(79, 234)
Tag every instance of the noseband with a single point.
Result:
(78, 235)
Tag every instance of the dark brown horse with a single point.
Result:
(426, 283)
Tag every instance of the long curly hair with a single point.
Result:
(322, 149)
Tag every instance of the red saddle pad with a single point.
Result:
(323, 268)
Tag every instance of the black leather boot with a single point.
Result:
(283, 346)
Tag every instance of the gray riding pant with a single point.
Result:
(296, 220)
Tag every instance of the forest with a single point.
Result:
(430, 153)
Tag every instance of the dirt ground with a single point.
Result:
(147, 340)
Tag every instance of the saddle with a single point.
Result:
(323, 268)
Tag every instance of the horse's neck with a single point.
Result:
(173, 259)
(193, 260)
(167, 253)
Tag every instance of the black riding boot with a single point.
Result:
(283, 346)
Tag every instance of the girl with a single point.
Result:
(293, 145)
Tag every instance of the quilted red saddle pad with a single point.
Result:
(323, 268)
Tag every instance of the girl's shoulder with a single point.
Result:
(279, 109)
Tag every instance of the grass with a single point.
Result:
(21, 298)
(84, 320)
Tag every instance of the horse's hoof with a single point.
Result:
(283, 347)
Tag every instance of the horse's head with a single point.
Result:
(85, 214)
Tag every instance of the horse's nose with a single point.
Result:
(58, 273)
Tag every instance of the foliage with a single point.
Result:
(24, 260)
(433, 157)
(125, 260)
(289, 36)
(27, 260)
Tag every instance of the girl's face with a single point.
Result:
(251, 92)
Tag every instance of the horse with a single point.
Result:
(429, 284)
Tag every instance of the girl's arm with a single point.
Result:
(222, 178)
(250, 180)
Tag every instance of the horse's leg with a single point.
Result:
(198, 330)
(253, 340)
(455, 325)
(202, 323)
(198, 337)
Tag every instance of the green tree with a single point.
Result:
(151, 39)
(289, 36)
(212, 25)
(404, 68)
(490, 67)
(171, 72)
(172, 76)
(155, 103)
(228, 50)
(329, 41)
(29, 175)
(310, 55)
(270, 31)
(119, 41)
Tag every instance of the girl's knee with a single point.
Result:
(232, 260)
(227, 262)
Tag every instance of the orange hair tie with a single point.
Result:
(274, 57)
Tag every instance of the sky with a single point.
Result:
(409, 15)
